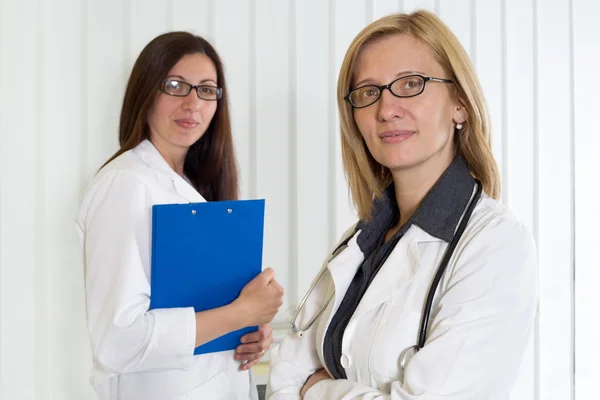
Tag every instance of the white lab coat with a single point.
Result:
(140, 354)
(480, 322)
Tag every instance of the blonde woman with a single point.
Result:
(433, 293)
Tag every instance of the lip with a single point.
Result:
(187, 123)
(395, 136)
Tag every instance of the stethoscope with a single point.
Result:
(409, 352)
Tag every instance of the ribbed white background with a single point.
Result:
(63, 67)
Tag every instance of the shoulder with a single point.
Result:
(496, 240)
(124, 181)
(494, 218)
(129, 164)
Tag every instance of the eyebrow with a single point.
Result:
(398, 75)
(183, 79)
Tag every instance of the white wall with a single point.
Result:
(63, 66)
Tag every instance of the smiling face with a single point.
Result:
(178, 122)
(404, 133)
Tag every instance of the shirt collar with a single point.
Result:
(442, 208)
(438, 214)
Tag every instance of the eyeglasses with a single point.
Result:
(183, 89)
(406, 86)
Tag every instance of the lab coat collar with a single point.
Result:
(397, 271)
(150, 155)
(395, 274)
(434, 221)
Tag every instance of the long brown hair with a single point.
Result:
(210, 163)
(366, 177)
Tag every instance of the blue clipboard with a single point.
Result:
(203, 254)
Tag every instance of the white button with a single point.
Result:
(345, 361)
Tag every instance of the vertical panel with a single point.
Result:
(587, 218)
(106, 72)
(19, 190)
(196, 16)
(273, 133)
(519, 172)
(238, 59)
(43, 344)
(491, 68)
(555, 203)
(457, 15)
(413, 5)
(145, 20)
(61, 313)
(312, 152)
(381, 8)
(349, 20)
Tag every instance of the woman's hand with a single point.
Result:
(260, 299)
(254, 346)
(317, 377)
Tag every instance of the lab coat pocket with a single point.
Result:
(397, 329)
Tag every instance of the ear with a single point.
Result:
(460, 114)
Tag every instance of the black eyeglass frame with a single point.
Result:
(389, 87)
(190, 87)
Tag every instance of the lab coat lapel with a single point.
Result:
(187, 190)
(343, 267)
(165, 173)
(397, 272)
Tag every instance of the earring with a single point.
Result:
(459, 126)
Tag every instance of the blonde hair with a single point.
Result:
(366, 177)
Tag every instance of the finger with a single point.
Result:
(251, 348)
(268, 274)
(248, 356)
(266, 329)
(266, 343)
(258, 348)
(253, 337)
(276, 285)
(249, 364)
(244, 351)
(324, 374)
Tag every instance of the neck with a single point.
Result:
(413, 184)
(174, 156)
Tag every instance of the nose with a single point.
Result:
(192, 101)
(389, 106)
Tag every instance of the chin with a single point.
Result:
(401, 166)
(398, 162)
(402, 159)
(187, 139)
